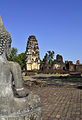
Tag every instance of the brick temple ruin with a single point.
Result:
(58, 66)
(32, 54)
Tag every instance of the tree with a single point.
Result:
(50, 56)
(48, 59)
(13, 54)
(20, 58)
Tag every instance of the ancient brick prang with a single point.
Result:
(32, 54)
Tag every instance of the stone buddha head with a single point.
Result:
(5, 41)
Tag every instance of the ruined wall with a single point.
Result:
(79, 68)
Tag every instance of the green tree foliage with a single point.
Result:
(20, 58)
(50, 56)
(13, 54)
(41, 64)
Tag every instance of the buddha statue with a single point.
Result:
(23, 105)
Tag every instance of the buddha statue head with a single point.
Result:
(5, 41)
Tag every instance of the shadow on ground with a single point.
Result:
(61, 80)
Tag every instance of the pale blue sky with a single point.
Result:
(57, 25)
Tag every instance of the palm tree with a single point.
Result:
(50, 56)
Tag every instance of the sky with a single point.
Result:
(57, 25)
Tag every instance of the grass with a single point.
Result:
(54, 79)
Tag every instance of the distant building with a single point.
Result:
(77, 62)
(78, 66)
(58, 63)
(59, 59)
(32, 54)
(69, 66)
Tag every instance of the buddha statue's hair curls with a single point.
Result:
(5, 40)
